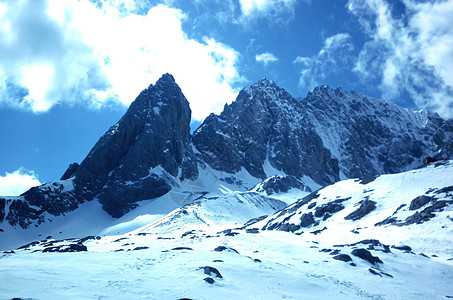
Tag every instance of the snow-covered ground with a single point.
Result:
(267, 265)
(168, 248)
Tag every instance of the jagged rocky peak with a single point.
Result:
(265, 126)
(141, 157)
(138, 157)
(371, 137)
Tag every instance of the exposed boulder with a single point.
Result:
(211, 271)
(343, 257)
(366, 255)
(365, 208)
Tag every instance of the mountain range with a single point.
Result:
(360, 187)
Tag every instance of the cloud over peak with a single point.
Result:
(71, 51)
(17, 182)
(266, 58)
(412, 53)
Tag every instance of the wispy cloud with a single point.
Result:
(335, 54)
(275, 10)
(72, 51)
(266, 58)
(412, 53)
(17, 182)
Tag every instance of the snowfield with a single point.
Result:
(199, 248)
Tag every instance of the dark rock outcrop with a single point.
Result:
(70, 171)
(281, 184)
(326, 210)
(420, 201)
(209, 280)
(343, 257)
(2, 209)
(366, 255)
(66, 248)
(365, 208)
(211, 271)
(224, 248)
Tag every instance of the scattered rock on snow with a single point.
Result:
(66, 248)
(366, 255)
(374, 272)
(343, 257)
(209, 280)
(402, 248)
(211, 270)
(182, 248)
(365, 208)
(223, 248)
(140, 248)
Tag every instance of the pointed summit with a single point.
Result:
(265, 125)
(132, 161)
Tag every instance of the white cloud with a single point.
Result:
(413, 53)
(17, 182)
(266, 58)
(276, 10)
(73, 50)
(336, 52)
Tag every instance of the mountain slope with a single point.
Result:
(414, 208)
(176, 258)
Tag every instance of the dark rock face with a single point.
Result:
(2, 209)
(355, 128)
(279, 184)
(265, 122)
(70, 171)
(420, 201)
(137, 158)
(20, 213)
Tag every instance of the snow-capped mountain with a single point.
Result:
(265, 126)
(249, 206)
(371, 137)
(265, 132)
(389, 237)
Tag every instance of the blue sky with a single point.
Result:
(70, 68)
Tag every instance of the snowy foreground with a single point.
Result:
(201, 250)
